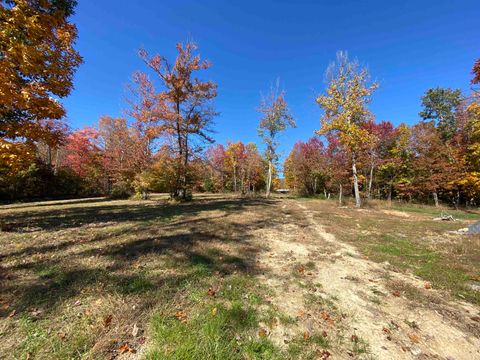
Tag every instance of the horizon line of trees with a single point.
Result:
(165, 143)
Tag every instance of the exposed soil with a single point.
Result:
(392, 326)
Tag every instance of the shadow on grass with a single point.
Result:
(77, 216)
(45, 279)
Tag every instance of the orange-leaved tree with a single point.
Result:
(181, 111)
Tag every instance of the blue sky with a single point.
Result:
(408, 46)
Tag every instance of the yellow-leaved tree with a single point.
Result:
(345, 110)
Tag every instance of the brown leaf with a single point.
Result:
(324, 333)
(475, 318)
(386, 330)
(126, 348)
(306, 335)
(301, 269)
(396, 293)
(211, 292)
(324, 354)
(262, 332)
(62, 335)
(12, 313)
(428, 285)
(354, 338)
(413, 338)
(107, 320)
(181, 315)
(325, 315)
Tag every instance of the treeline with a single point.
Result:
(403, 162)
(164, 143)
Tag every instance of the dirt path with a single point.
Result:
(352, 306)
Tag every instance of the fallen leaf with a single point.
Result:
(262, 332)
(306, 335)
(301, 269)
(181, 315)
(386, 330)
(214, 311)
(12, 313)
(62, 335)
(324, 333)
(354, 338)
(126, 348)
(325, 315)
(107, 320)
(301, 313)
(211, 292)
(428, 285)
(324, 354)
(396, 293)
(475, 318)
(413, 338)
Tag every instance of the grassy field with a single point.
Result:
(96, 278)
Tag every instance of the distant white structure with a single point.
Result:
(282, 191)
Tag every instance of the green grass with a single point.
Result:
(434, 212)
(215, 331)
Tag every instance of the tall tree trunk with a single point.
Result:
(340, 193)
(55, 168)
(370, 181)
(234, 178)
(49, 156)
(269, 178)
(435, 198)
(390, 194)
(358, 201)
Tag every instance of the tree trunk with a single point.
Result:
(435, 198)
(390, 194)
(269, 178)
(234, 178)
(340, 193)
(370, 181)
(55, 169)
(358, 201)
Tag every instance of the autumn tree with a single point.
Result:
(476, 73)
(182, 110)
(123, 152)
(215, 156)
(254, 168)
(345, 108)
(394, 172)
(304, 168)
(381, 137)
(276, 119)
(440, 105)
(235, 156)
(37, 63)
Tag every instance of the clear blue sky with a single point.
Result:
(409, 46)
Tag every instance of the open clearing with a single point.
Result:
(229, 278)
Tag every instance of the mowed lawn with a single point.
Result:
(97, 278)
